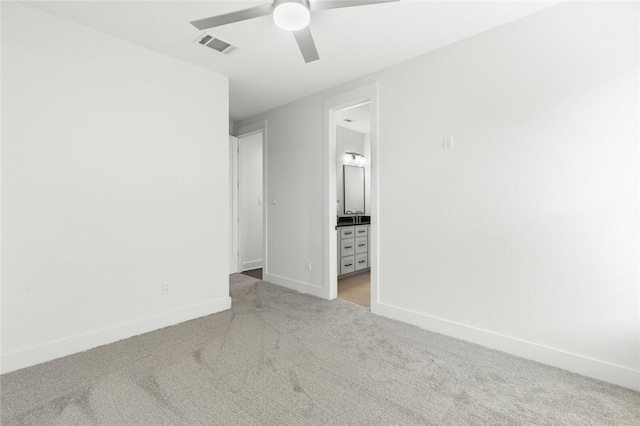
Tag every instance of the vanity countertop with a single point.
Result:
(366, 220)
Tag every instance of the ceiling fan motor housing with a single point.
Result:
(305, 3)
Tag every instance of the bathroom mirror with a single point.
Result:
(353, 189)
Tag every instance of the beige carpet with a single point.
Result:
(283, 358)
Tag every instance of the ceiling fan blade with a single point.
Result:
(336, 4)
(228, 18)
(306, 44)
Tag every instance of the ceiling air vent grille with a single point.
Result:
(216, 44)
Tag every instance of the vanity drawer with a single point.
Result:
(347, 265)
(347, 232)
(361, 261)
(362, 231)
(347, 247)
(361, 245)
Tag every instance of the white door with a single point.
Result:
(234, 217)
(251, 209)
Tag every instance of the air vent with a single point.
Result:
(216, 44)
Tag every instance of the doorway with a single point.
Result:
(351, 222)
(353, 189)
(247, 183)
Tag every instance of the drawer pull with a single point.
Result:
(361, 261)
(348, 264)
(361, 232)
(361, 245)
(348, 233)
(348, 247)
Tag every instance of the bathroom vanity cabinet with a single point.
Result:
(353, 249)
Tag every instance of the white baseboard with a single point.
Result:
(251, 264)
(601, 370)
(48, 351)
(298, 286)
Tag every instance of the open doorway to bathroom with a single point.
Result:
(337, 213)
(250, 204)
(353, 202)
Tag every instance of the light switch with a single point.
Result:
(448, 142)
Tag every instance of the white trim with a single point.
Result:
(251, 264)
(298, 286)
(367, 93)
(265, 199)
(250, 128)
(601, 370)
(234, 218)
(330, 279)
(59, 348)
(638, 236)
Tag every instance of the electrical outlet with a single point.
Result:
(308, 265)
(448, 142)
(166, 287)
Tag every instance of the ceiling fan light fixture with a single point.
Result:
(292, 15)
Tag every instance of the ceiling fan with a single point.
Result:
(290, 15)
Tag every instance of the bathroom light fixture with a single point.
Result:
(292, 15)
(355, 158)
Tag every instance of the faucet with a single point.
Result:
(350, 212)
(358, 218)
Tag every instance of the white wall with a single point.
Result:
(251, 210)
(528, 232)
(114, 180)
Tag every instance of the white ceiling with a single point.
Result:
(268, 71)
(360, 116)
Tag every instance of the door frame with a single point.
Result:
(367, 93)
(240, 132)
(234, 215)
